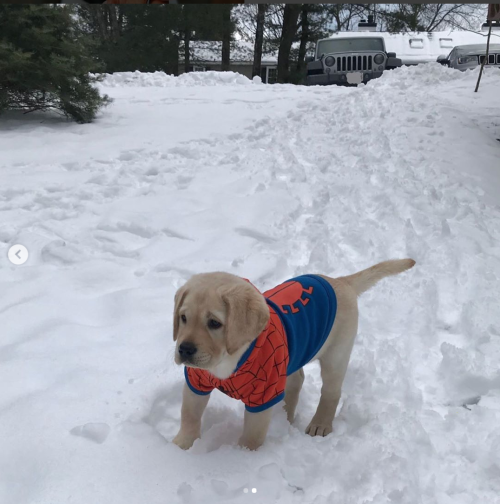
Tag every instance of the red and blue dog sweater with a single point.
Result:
(302, 312)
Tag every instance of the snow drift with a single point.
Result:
(161, 79)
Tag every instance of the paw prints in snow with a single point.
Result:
(96, 432)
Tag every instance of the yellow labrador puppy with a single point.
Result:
(252, 346)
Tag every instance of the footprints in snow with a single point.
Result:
(96, 432)
(256, 235)
(138, 168)
(132, 171)
(126, 239)
(138, 230)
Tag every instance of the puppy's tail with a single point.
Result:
(367, 278)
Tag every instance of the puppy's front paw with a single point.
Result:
(251, 444)
(316, 429)
(184, 441)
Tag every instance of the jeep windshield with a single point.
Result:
(342, 45)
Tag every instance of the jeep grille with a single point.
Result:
(491, 59)
(348, 63)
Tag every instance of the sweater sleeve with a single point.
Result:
(197, 381)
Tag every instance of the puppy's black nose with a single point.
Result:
(187, 349)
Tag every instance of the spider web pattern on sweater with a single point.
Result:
(261, 378)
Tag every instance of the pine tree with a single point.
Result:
(45, 64)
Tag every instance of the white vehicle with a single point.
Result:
(466, 57)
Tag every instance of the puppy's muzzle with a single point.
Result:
(186, 351)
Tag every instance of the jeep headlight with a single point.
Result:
(329, 61)
(467, 59)
(379, 58)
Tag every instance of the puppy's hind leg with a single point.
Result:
(334, 357)
(321, 424)
(333, 362)
(292, 390)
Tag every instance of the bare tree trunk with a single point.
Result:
(98, 15)
(186, 12)
(259, 39)
(187, 50)
(174, 67)
(120, 18)
(338, 22)
(290, 18)
(304, 38)
(226, 38)
(113, 18)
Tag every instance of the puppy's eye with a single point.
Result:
(183, 318)
(214, 324)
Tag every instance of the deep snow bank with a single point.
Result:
(161, 79)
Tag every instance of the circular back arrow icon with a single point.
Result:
(18, 254)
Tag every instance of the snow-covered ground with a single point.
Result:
(210, 172)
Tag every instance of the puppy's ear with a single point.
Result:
(247, 315)
(178, 300)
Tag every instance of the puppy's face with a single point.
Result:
(215, 316)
